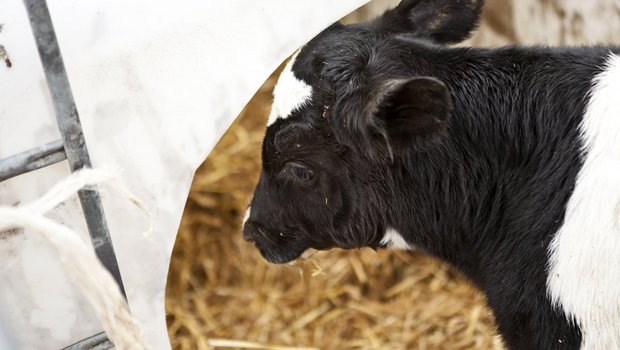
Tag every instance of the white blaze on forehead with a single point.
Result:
(584, 256)
(393, 239)
(289, 94)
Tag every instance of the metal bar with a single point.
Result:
(71, 131)
(33, 159)
(98, 341)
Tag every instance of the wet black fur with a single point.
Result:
(482, 183)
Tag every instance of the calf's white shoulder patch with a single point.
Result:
(584, 256)
(393, 239)
(289, 94)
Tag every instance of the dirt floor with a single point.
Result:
(222, 294)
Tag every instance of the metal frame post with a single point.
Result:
(72, 147)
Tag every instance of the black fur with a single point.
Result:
(478, 176)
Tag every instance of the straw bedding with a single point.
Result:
(222, 294)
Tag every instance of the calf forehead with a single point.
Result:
(289, 94)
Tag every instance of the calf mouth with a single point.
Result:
(281, 255)
(275, 249)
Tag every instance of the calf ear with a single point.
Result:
(408, 111)
(442, 21)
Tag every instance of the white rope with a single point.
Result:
(95, 282)
(86, 178)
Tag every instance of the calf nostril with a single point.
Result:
(249, 238)
(250, 233)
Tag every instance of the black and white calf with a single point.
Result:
(503, 162)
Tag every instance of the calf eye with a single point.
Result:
(299, 171)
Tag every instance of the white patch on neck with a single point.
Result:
(393, 239)
(289, 93)
(584, 261)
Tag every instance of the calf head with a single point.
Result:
(346, 105)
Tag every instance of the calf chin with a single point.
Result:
(281, 255)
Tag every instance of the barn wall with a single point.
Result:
(548, 22)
